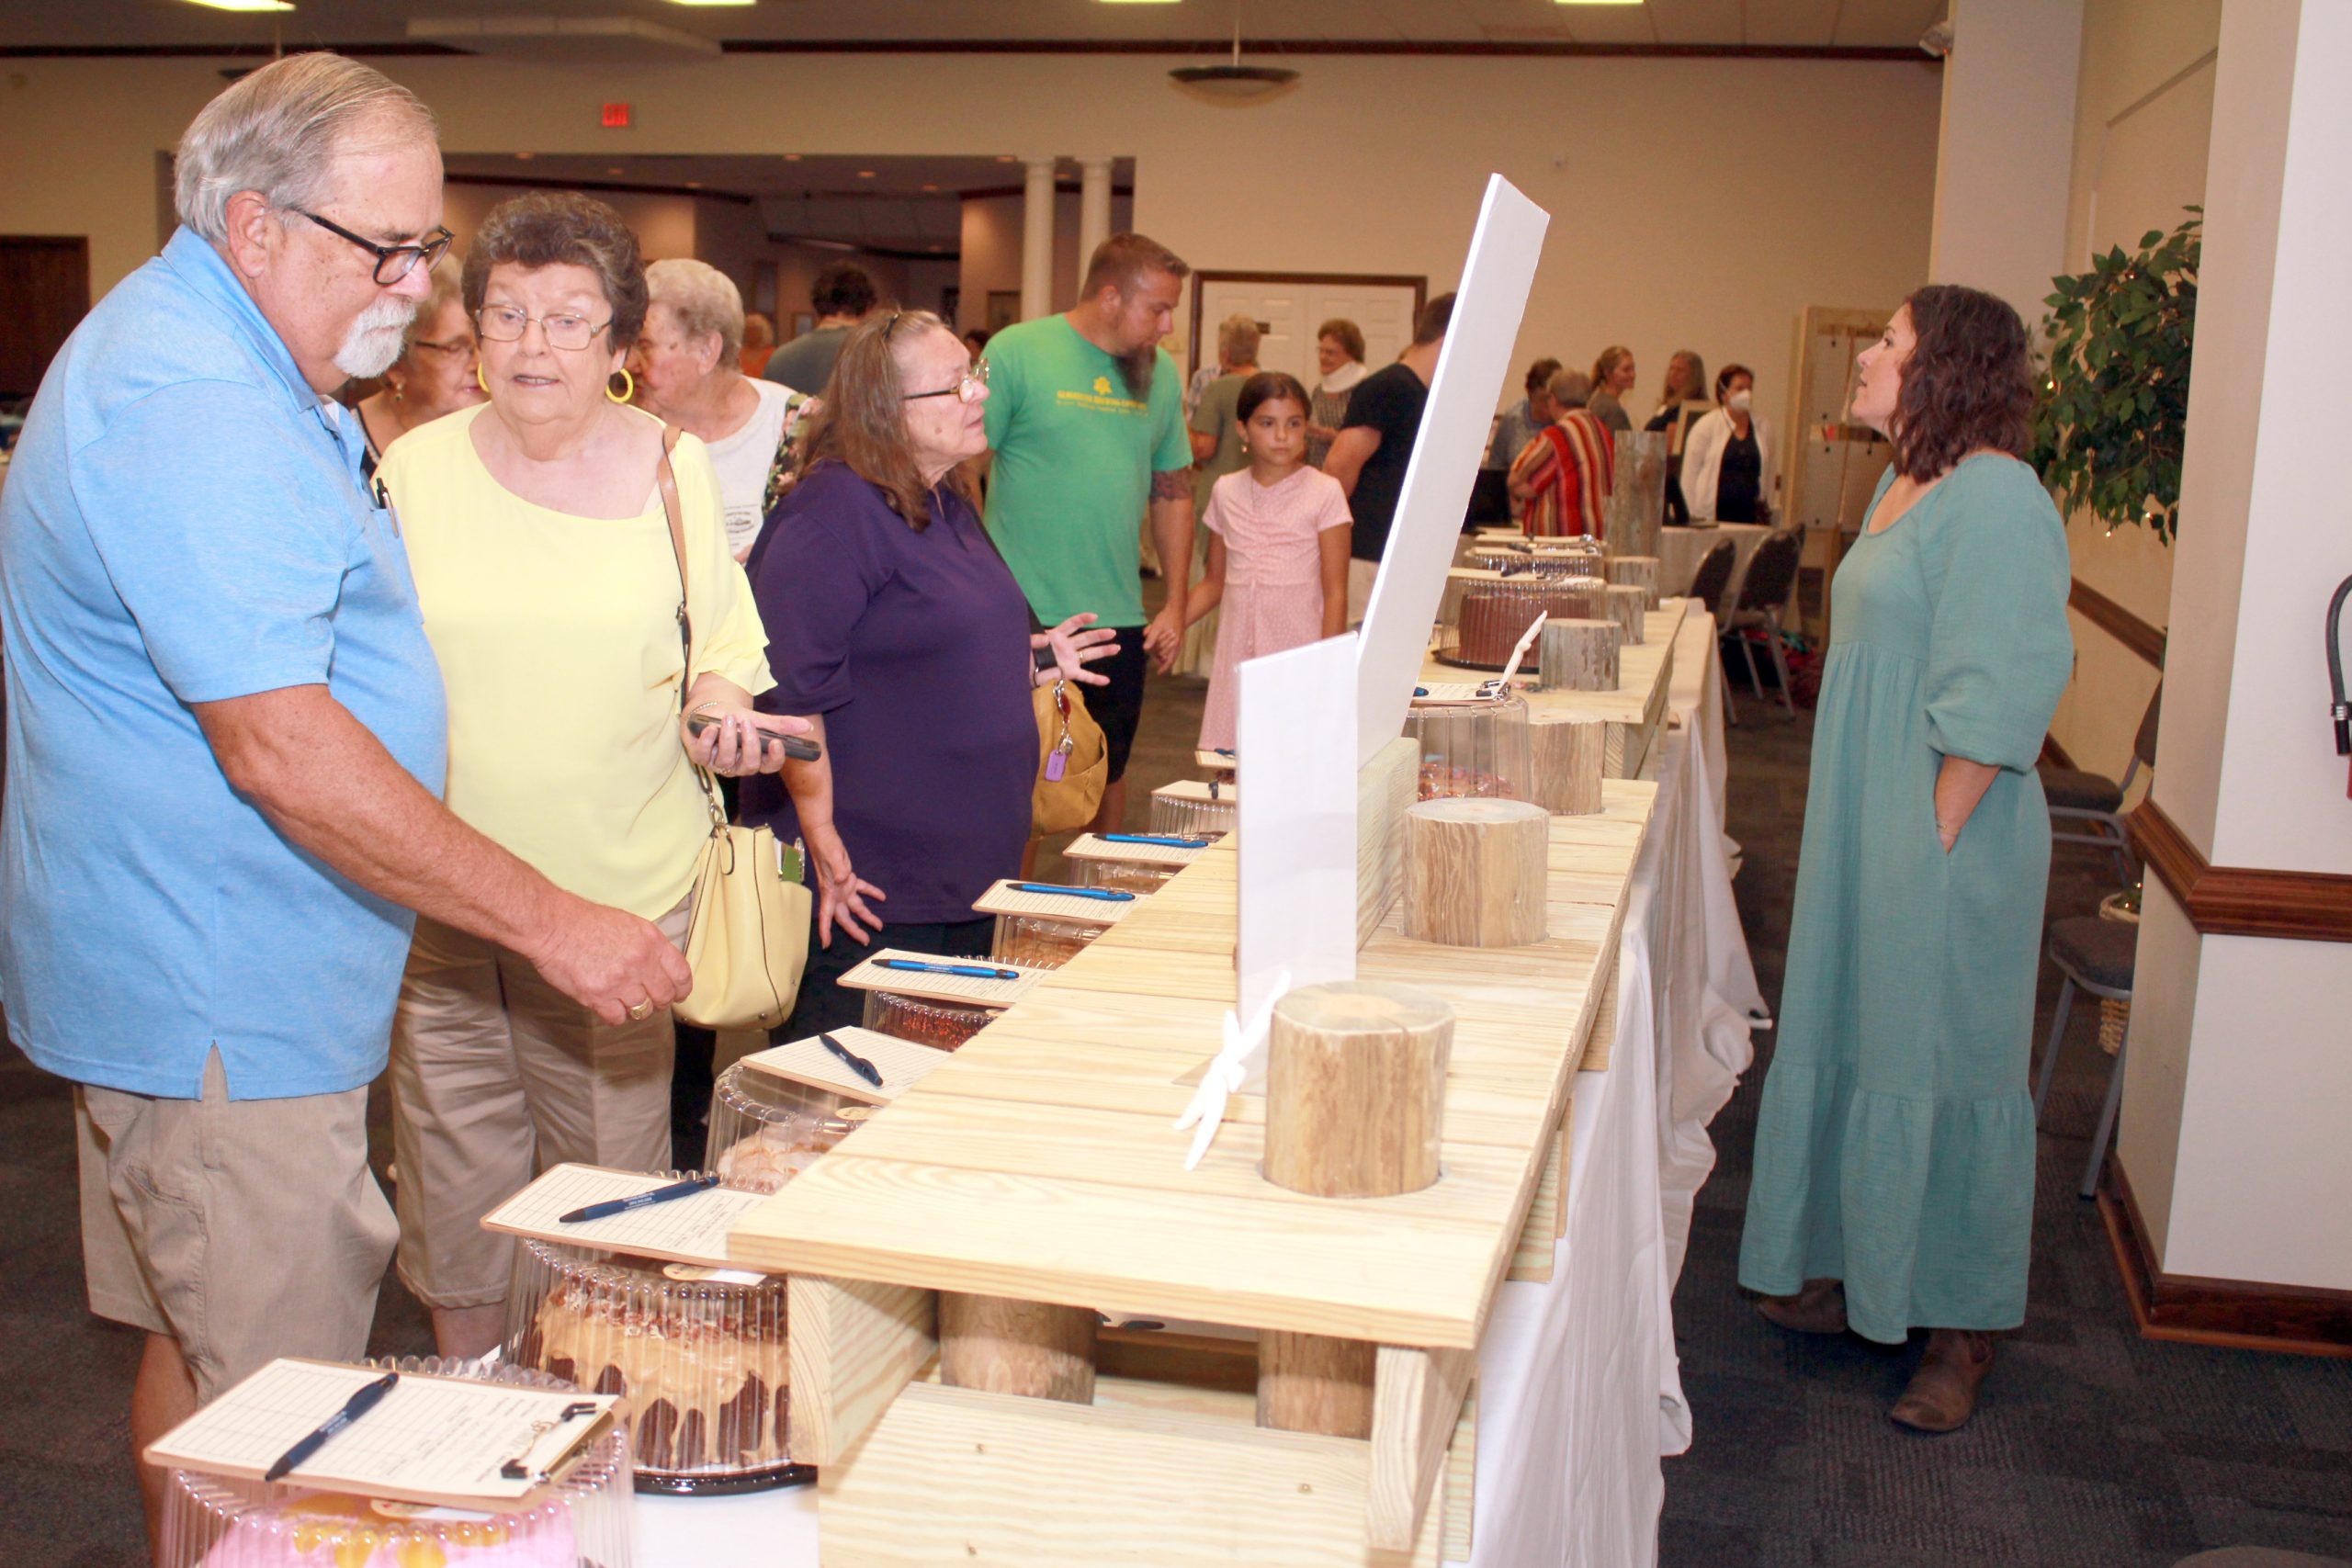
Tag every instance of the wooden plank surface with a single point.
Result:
(852, 1347)
(1416, 1400)
(1038, 1162)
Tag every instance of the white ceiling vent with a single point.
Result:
(625, 39)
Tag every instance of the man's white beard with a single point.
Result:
(374, 340)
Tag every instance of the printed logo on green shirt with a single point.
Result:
(1104, 396)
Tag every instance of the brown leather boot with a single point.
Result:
(1942, 1394)
(1819, 1308)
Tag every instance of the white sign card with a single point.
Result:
(1297, 819)
(1470, 373)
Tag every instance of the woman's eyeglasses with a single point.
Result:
(505, 323)
(966, 389)
(392, 262)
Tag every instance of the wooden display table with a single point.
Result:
(1039, 1165)
(1636, 710)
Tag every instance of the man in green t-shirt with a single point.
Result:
(1086, 417)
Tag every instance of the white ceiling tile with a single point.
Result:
(1885, 24)
(1805, 23)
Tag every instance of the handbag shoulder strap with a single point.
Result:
(666, 479)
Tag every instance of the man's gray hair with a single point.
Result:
(1571, 389)
(279, 130)
(704, 300)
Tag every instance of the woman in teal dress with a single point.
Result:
(1894, 1145)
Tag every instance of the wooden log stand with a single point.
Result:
(1626, 609)
(1034, 1349)
(1355, 1084)
(1474, 871)
(1314, 1382)
(1578, 655)
(1570, 752)
(1640, 571)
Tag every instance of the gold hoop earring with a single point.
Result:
(628, 386)
(480, 382)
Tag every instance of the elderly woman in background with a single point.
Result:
(1682, 401)
(1612, 382)
(688, 367)
(1730, 467)
(899, 625)
(1563, 476)
(1339, 354)
(1894, 1143)
(540, 542)
(434, 375)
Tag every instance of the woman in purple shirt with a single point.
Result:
(893, 622)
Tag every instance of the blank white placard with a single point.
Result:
(1436, 494)
(1298, 818)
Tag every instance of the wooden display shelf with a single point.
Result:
(1635, 711)
(1038, 1163)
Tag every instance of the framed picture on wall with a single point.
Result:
(1004, 308)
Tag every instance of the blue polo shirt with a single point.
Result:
(184, 523)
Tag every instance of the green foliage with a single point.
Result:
(2112, 407)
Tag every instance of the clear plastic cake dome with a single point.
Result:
(1040, 942)
(1478, 749)
(942, 1025)
(579, 1520)
(765, 1130)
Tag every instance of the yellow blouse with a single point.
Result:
(557, 639)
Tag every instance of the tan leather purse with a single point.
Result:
(747, 938)
(1073, 763)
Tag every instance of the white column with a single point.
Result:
(1037, 239)
(2237, 1076)
(2005, 156)
(1094, 209)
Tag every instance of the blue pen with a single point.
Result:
(968, 971)
(358, 1405)
(1164, 840)
(1108, 895)
(610, 1207)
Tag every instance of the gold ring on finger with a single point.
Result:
(641, 1011)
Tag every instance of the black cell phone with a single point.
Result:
(801, 749)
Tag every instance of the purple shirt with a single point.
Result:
(915, 648)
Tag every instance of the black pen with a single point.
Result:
(358, 1405)
(852, 1060)
(1108, 895)
(968, 971)
(610, 1207)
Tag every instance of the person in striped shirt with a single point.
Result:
(1564, 476)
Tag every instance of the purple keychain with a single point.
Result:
(1057, 760)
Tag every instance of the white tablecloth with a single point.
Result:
(1680, 550)
(1579, 1392)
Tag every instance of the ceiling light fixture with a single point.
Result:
(713, 2)
(1233, 84)
(865, 173)
(1596, 2)
(243, 4)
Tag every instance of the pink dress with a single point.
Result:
(1273, 576)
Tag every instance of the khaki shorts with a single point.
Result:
(1360, 574)
(496, 1076)
(245, 1229)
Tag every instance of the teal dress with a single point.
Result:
(1895, 1142)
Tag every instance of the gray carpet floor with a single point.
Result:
(2094, 1448)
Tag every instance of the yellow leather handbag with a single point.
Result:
(747, 939)
(1073, 763)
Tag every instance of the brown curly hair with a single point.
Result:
(1968, 385)
(548, 227)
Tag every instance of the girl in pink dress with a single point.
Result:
(1278, 547)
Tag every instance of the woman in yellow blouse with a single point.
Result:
(550, 590)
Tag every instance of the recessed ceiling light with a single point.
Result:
(931, 187)
(693, 184)
(1006, 158)
(243, 4)
(792, 157)
(526, 157)
(938, 248)
(614, 171)
(713, 2)
(1596, 2)
(865, 173)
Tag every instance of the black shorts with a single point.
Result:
(1118, 707)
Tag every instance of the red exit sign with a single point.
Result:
(617, 116)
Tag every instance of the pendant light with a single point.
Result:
(1233, 84)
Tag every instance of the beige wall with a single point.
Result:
(2144, 107)
(1695, 203)
(991, 258)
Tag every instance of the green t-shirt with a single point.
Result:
(1071, 484)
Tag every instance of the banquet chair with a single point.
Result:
(1763, 598)
(2088, 808)
(1707, 585)
(2094, 955)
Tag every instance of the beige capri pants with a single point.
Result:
(496, 1076)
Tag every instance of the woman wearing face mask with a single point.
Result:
(1730, 465)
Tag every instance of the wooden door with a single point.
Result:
(46, 281)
